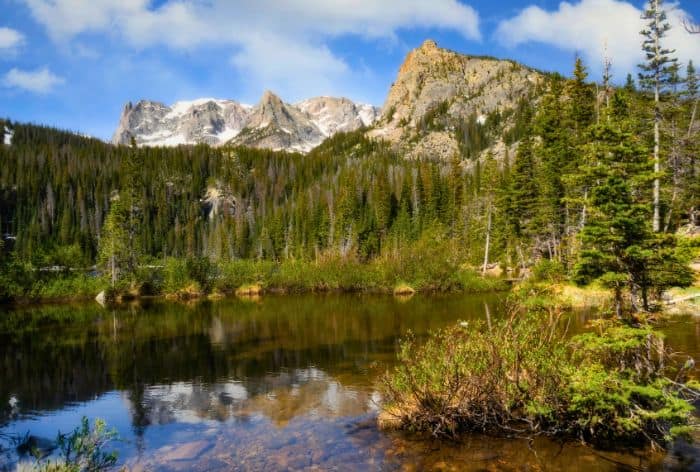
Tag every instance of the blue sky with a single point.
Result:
(74, 63)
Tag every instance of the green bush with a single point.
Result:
(175, 275)
(81, 450)
(547, 270)
(67, 286)
(523, 376)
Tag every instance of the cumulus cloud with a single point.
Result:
(10, 41)
(38, 81)
(275, 40)
(589, 27)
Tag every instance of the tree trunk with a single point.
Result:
(114, 271)
(657, 118)
(692, 119)
(618, 302)
(488, 242)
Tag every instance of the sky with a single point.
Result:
(75, 63)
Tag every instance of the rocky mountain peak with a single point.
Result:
(428, 45)
(270, 98)
(437, 90)
(272, 123)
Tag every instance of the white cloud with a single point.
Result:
(37, 81)
(10, 41)
(588, 26)
(275, 40)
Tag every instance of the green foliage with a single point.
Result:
(114, 252)
(620, 387)
(658, 68)
(82, 450)
(547, 270)
(522, 376)
(619, 248)
(477, 378)
(79, 285)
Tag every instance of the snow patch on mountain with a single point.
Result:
(271, 124)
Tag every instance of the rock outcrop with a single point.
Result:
(437, 91)
(332, 115)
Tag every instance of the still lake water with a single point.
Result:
(279, 383)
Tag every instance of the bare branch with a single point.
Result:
(690, 27)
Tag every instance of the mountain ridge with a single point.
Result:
(443, 103)
(272, 123)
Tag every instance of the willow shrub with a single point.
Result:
(522, 376)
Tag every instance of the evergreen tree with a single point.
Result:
(656, 75)
(114, 252)
(619, 247)
(691, 162)
(582, 98)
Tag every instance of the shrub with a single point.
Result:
(81, 450)
(188, 276)
(522, 376)
(547, 270)
(176, 275)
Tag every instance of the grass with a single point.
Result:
(185, 279)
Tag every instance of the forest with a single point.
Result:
(71, 204)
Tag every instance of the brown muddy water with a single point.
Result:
(279, 383)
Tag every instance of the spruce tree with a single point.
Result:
(619, 247)
(655, 75)
(581, 98)
(113, 248)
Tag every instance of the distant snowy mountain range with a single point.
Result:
(271, 124)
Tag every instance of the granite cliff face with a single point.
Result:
(271, 124)
(437, 91)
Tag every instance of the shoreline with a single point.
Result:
(272, 291)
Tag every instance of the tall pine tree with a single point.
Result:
(656, 74)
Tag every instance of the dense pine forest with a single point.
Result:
(582, 165)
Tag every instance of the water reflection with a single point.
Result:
(283, 382)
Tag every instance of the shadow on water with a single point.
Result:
(276, 383)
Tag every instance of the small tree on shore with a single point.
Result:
(113, 249)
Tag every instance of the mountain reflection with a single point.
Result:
(280, 357)
(280, 398)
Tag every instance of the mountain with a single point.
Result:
(443, 102)
(331, 115)
(204, 120)
(272, 124)
(276, 125)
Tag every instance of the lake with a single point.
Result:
(277, 383)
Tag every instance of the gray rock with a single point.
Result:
(272, 124)
(471, 86)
